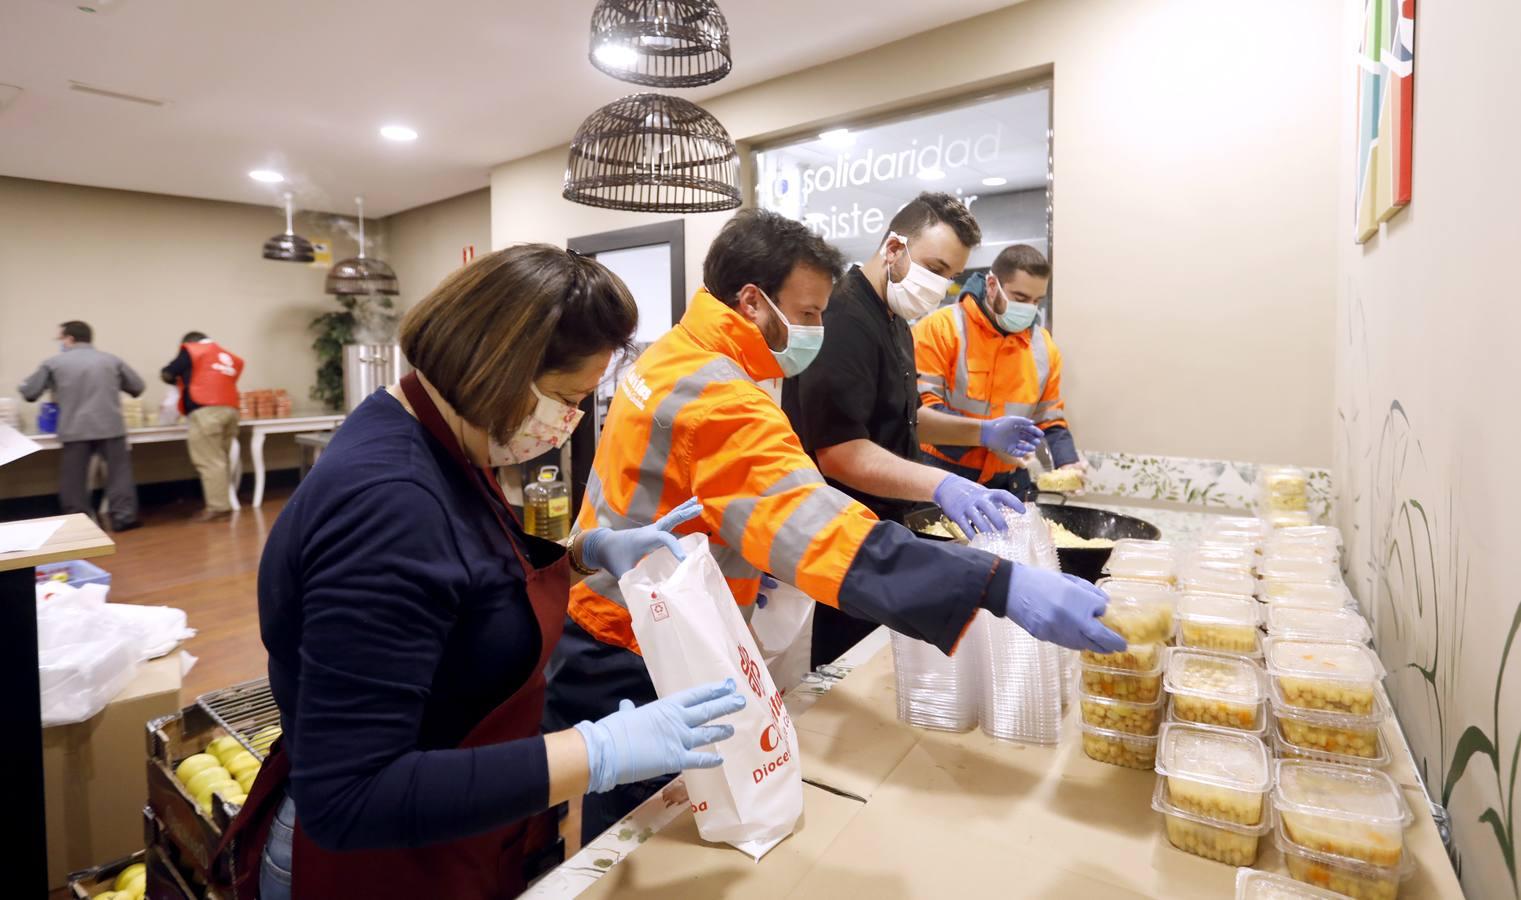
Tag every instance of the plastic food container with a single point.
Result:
(1217, 622)
(1283, 488)
(1309, 550)
(1345, 877)
(1295, 518)
(1302, 623)
(1217, 578)
(1238, 556)
(1213, 689)
(1141, 567)
(1119, 715)
(1225, 842)
(1355, 813)
(1254, 885)
(1282, 749)
(1324, 595)
(1217, 774)
(1238, 525)
(1129, 546)
(1133, 751)
(1134, 658)
(1334, 736)
(1326, 535)
(1123, 684)
(1142, 613)
(1298, 570)
(1323, 675)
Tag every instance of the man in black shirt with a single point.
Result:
(857, 407)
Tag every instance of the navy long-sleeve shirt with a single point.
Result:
(396, 618)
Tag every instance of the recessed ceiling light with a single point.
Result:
(268, 176)
(934, 174)
(617, 56)
(398, 133)
(994, 181)
(837, 137)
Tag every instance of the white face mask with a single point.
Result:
(547, 427)
(920, 291)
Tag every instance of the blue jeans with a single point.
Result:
(274, 872)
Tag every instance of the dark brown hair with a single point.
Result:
(1020, 258)
(489, 329)
(79, 331)
(931, 207)
(762, 248)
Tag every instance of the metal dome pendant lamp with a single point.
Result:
(661, 43)
(289, 247)
(653, 153)
(361, 275)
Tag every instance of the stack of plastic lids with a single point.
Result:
(935, 690)
(1342, 828)
(1023, 677)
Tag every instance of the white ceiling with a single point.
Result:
(303, 87)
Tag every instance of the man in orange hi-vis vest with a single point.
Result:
(986, 357)
(207, 376)
(690, 420)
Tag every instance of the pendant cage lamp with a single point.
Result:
(289, 247)
(661, 43)
(653, 153)
(361, 275)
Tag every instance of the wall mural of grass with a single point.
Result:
(1447, 647)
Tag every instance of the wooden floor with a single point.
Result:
(208, 570)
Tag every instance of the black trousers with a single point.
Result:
(74, 479)
(587, 679)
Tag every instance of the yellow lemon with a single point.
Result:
(263, 739)
(236, 798)
(205, 777)
(246, 779)
(136, 885)
(106, 895)
(240, 762)
(203, 797)
(224, 747)
(194, 764)
(127, 873)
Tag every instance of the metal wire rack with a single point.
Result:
(246, 711)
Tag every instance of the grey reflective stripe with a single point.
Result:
(1026, 410)
(796, 535)
(932, 380)
(1046, 412)
(958, 397)
(732, 563)
(607, 517)
(606, 585)
(737, 514)
(645, 501)
(1042, 353)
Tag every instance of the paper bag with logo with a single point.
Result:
(691, 632)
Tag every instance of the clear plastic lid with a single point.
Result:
(1139, 741)
(1139, 546)
(1141, 568)
(1289, 518)
(1308, 623)
(1234, 556)
(1250, 525)
(1358, 869)
(1161, 801)
(1085, 697)
(1322, 661)
(1300, 548)
(1218, 609)
(1259, 716)
(1364, 796)
(1254, 885)
(1322, 533)
(1232, 679)
(1283, 748)
(1325, 718)
(1326, 595)
(1308, 571)
(1214, 756)
(1140, 613)
(1153, 672)
(1217, 578)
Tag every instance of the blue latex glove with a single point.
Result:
(1014, 435)
(767, 584)
(619, 551)
(659, 738)
(1062, 609)
(973, 507)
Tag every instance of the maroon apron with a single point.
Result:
(488, 865)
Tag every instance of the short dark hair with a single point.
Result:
(79, 331)
(193, 336)
(932, 207)
(1020, 258)
(490, 328)
(762, 248)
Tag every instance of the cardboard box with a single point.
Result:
(94, 778)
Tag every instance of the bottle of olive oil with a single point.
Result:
(546, 506)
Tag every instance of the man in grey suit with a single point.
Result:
(87, 386)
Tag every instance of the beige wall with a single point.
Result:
(1195, 200)
(143, 269)
(1425, 469)
(425, 242)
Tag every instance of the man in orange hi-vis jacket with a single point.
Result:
(690, 420)
(987, 357)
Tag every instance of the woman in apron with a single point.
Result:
(408, 616)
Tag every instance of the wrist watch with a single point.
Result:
(576, 563)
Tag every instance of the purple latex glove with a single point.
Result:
(973, 507)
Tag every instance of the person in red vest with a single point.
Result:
(207, 376)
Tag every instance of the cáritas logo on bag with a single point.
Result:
(775, 735)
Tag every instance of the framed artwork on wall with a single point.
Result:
(1385, 103)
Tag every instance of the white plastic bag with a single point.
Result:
(691, 632)
(783, 629)
(169, 409)
(80, 665)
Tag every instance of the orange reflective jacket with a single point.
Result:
(968, 367)
(689, 420)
